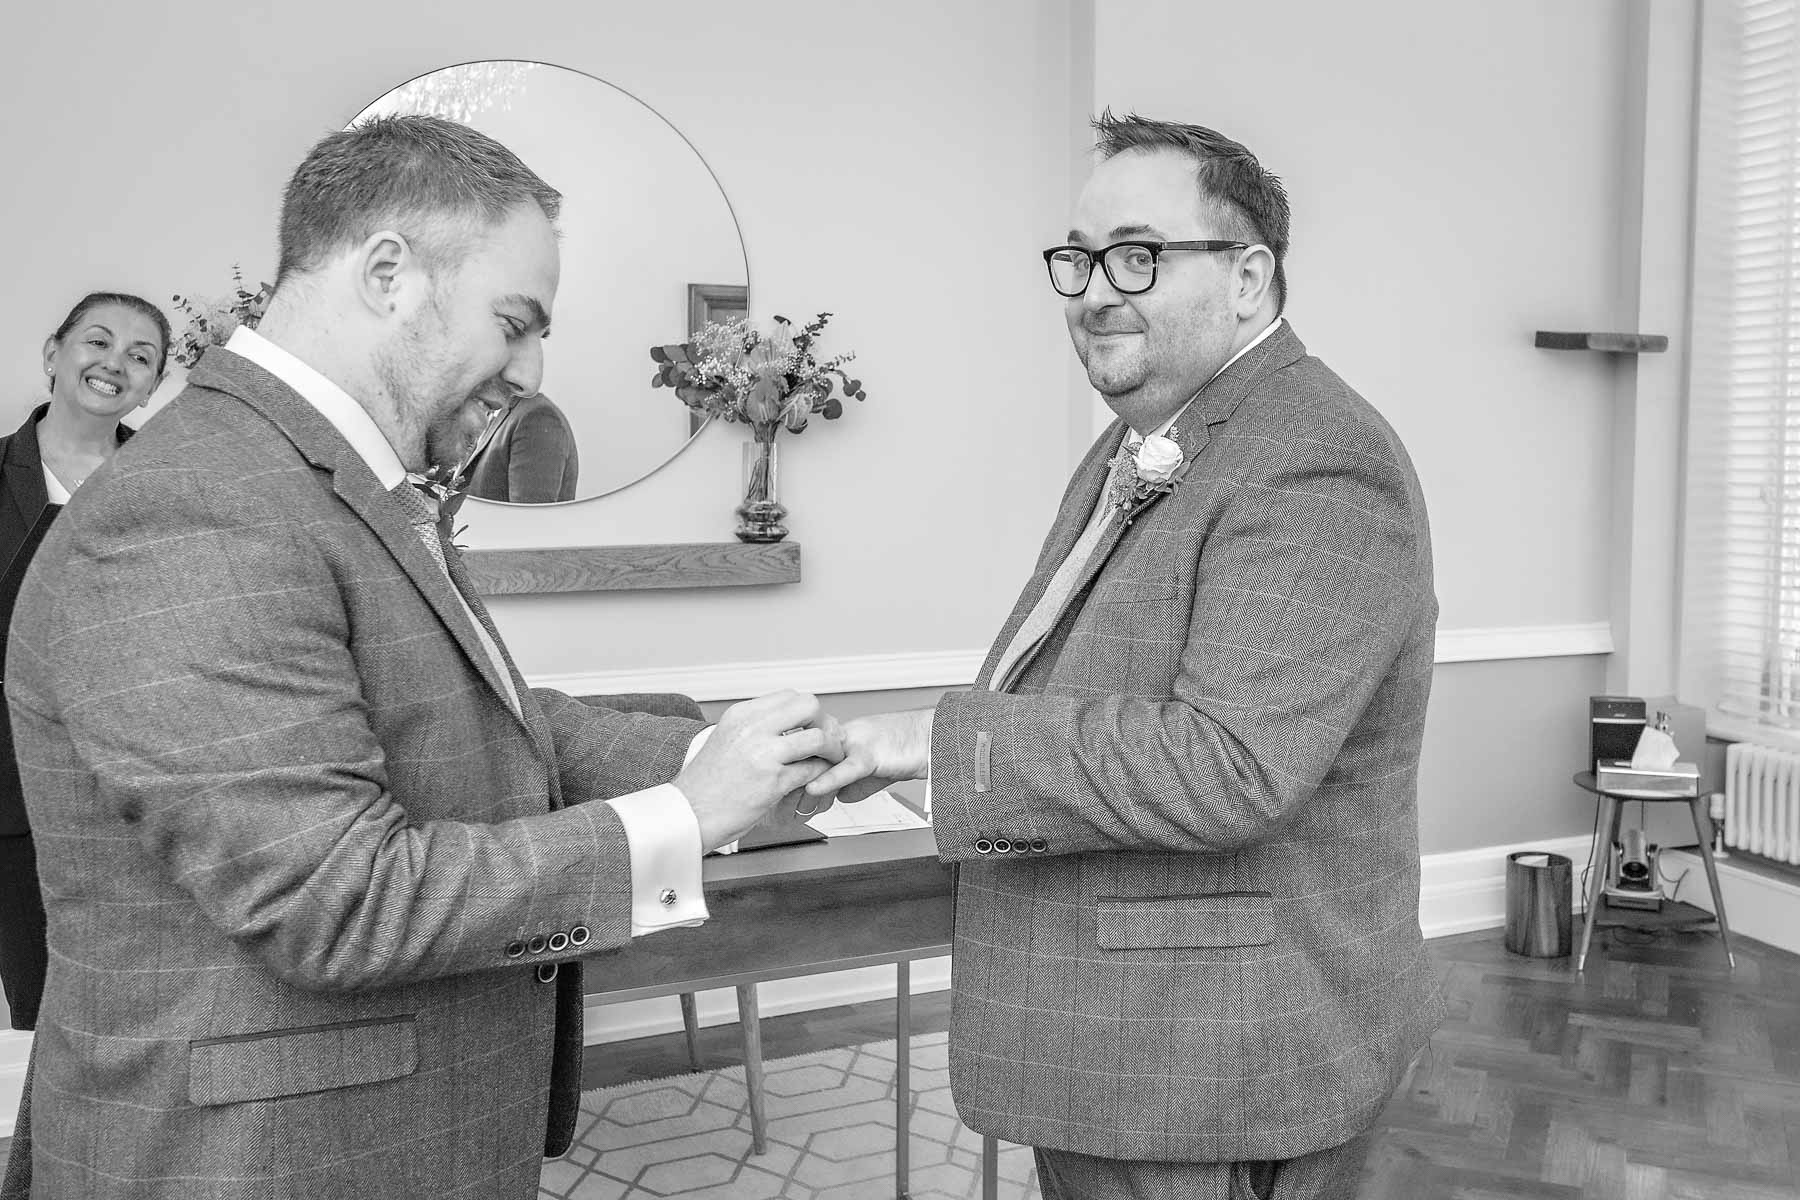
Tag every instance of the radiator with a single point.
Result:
(1762, 801)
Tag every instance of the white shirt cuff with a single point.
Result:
(664, 841)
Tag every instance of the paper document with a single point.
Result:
(880, 813)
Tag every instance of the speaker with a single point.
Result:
(1614, 725)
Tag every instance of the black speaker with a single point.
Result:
(1614, 725)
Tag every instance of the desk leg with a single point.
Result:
(990, 1168)
(753, 1066)
(902, 1078)
(1703, 827)
(1606, 828)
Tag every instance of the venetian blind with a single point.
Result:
(1741, 537)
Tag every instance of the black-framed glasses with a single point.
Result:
(1130, 266)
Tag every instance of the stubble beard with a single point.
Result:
(424, 422)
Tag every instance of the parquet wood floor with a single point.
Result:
(1656, 1075)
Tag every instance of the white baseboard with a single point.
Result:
(1756, 905)
(647, 1018)
(957, 668)
(15, 1053)
(1459, 892)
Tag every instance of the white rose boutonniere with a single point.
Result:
(1153, 469)
(1157, 459)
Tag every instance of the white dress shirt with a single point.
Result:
(660, 829)
(54, 491)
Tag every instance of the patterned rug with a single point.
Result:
(831, 1135)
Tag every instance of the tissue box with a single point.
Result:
(1678, 781)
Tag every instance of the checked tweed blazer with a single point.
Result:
(1187, 901)
(289, 828)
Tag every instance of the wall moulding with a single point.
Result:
(957, 668)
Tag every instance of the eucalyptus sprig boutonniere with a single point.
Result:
(1155, 469)
(448, 490)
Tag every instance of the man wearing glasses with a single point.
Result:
(1181, 796)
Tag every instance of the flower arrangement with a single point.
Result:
(212, 322)
(1137, 475)
(768, 382)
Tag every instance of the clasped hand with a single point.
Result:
(769, 748)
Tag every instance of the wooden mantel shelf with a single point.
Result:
(625, 568)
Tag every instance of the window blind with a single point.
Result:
(1740, 620)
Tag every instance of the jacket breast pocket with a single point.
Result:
(1218, 921)
(294, 1062)
(1134, 591)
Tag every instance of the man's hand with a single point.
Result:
(760, 751)
(877, 751)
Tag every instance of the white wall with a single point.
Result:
(898, 165)
(1462, 176)
(1458, 176)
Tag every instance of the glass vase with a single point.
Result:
(761, 514)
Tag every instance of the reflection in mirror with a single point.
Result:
(643, 221)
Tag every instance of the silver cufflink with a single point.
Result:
(666, 898)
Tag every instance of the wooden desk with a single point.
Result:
(862, 901)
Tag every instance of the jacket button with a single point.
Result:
(514, 949)
(1039, 845)
(1003, 846)
(536, 944)
(546, 972)
(983, 846)
(559, 941)
(666, 897)
(579, 936)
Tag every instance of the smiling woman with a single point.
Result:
(104, 360)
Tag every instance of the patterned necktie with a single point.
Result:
(429, 524)
(1043, 614)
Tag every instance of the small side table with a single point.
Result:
(1612, 808)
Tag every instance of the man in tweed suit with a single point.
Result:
(1181, 795)
(318, 865)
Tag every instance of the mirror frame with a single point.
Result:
(710, 298)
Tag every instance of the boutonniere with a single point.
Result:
(448, 491)
(1155, 469)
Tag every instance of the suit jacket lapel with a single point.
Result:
(23, 492)
(1212, 406)
(325, 448)
(1078, 502)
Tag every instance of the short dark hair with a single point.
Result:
(95, 300)
(435, 180)
(1230, 178)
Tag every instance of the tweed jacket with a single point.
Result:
(307, 872)
(1187, 901)
(25, 511)
(529, 457)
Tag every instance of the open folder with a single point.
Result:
(882, 812)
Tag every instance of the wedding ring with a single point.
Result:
(814, 808)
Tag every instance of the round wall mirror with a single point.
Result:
(650, 249)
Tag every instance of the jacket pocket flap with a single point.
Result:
(1178, 922)
(1134, 591)
(293, 1062)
